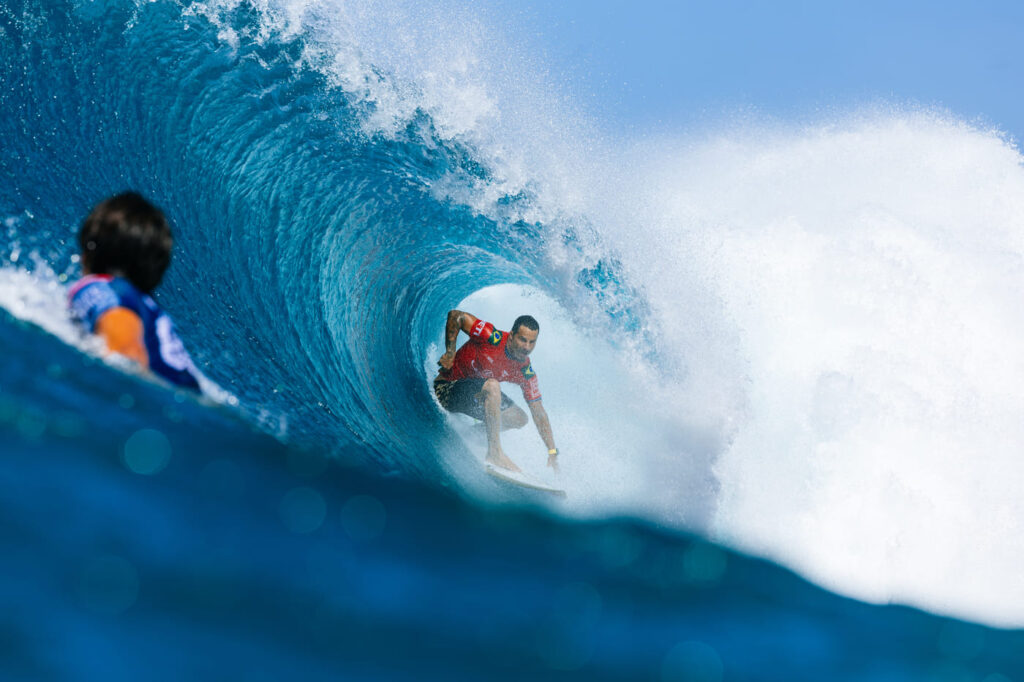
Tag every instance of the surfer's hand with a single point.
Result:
(447, 360)
(553, 459)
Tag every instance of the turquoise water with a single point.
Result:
(316, 516)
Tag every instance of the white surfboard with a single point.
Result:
(522, 480)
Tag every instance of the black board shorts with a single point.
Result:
(462, 396)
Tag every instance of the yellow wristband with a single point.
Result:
(553, 451)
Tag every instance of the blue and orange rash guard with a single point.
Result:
(484, 357)
(93, 295)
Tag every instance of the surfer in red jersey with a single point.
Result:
(469, 380)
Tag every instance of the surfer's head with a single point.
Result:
(523, 337)
(126, 236)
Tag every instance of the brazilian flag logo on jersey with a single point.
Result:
(495, 338)
(528, 372)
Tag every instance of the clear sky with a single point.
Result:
(649, 63)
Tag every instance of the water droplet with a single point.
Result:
(692, 662)
(363, 517)
(222, 479)
(108, 585)
(306, 464)
(31, 424)
(68, 425)
(302, 510)
(704, 563)
(147, 452)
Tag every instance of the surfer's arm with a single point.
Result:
(457, 320)
(122, 331)
(540, 419)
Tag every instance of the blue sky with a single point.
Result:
(673, 65)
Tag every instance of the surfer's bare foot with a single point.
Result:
(499, 459)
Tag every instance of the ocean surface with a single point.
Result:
(781, 360)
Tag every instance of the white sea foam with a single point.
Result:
(846, 297)
(39, 296)
(906, 353)
(399, 60)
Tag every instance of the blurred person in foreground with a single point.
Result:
(125, 245)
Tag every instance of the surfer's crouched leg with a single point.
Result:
(513, 418)
(467, 396)
(491, 391)
(492, 398)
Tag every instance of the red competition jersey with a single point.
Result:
(484, 356)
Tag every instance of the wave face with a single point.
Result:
(802, 341)
(315, 256)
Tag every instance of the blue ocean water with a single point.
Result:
(319, 517)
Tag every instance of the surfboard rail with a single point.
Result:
(521, 479)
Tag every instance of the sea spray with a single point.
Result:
(853, 286)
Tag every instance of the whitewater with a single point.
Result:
(799, 339)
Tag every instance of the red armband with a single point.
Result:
(483, 331)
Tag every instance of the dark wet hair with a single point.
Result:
(128, 236)
(525, 321)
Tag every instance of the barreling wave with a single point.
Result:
(316, 248)
(779, 324)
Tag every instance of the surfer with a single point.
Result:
(125, 247)
(469, 380)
